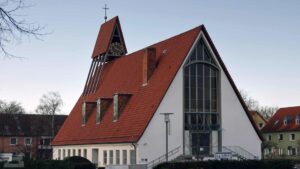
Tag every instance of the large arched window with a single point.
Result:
(201, 88)
(200, 77)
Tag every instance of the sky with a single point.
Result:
(259, 41)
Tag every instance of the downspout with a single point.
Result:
(134, 147)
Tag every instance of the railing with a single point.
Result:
(199, 152)
(162, 158)
(240, 152)
(206, 151)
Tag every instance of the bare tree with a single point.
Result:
(11, 107)
(249, 101)
(50, 104)
(253, 105)
(13, 26)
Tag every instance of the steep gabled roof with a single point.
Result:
(124, 75)
(105, 35)
(276, 124)
(29, 124)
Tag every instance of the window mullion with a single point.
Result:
(190, 100)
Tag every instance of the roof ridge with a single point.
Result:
(156, 43)
(289, 107)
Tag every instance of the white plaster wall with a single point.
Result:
(237, 129)
(100, 147)
(153, 142)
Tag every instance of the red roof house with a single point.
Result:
(285, 119)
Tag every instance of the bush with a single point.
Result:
(70, 163)
(47, 164)
(247, 164)
(1, 165)
(84, 166)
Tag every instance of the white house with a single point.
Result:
(118, 118)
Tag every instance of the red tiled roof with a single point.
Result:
(276, 124)
(124, 75)
(105, 35)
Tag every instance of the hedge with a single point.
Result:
(247, 164)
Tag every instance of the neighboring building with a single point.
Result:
(282, 134)
(259, 120)
(118, 120)
(28, 134)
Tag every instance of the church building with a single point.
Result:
(119, 117)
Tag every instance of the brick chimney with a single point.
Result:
(149, 64)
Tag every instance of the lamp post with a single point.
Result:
(167, 121)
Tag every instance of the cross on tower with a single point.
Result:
(105, 9)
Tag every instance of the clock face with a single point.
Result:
(116, 49)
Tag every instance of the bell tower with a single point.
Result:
(109, 45)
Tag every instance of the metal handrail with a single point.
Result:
(162, 158)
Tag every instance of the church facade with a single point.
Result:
(118, 118)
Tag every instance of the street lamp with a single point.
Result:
(167, 121)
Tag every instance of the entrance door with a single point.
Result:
(200, 144)
(95, 156)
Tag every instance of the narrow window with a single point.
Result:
(74, 152)
(13, 141)
(269, 137)
(124, 157)
(69, 152)
(117, 156)
(105, 157)
(83, 113)
(98, 115)
(132, 157)
(79, 152)
(292, 137)
(111, 156)
(64, 153)
(280, 137)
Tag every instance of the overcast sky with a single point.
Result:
(259, 42)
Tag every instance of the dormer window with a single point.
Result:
(285, 122)
(87, 109)
(120, 101)
(102, 105)
(287, 119)
(276, 122)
